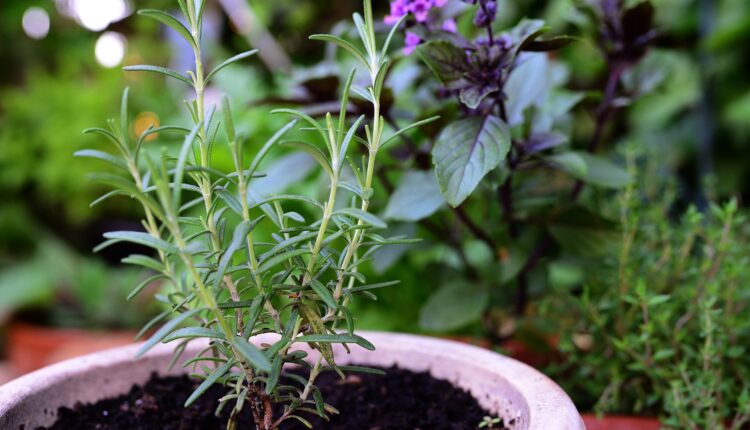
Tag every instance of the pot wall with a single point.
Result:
(512, 390)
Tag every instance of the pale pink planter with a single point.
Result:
(508, 388)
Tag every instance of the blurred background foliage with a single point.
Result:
(62, 73)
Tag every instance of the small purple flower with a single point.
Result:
(420, 9)
(486, 13)
(399, 8)
(505, 41)
(412, 40)
(450, 26)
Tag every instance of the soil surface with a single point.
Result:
(400, 400)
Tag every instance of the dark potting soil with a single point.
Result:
(400, 400)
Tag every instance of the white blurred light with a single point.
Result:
(35, 23)
(96, 15)
(110, 49)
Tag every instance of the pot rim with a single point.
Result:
(546, 407)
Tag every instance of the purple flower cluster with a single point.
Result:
(420, 9)
(486, 13)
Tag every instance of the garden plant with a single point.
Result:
(662, 329)
(505, 149)
(232, 283)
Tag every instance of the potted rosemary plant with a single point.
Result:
(264, 317)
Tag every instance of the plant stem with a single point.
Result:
(476, 230)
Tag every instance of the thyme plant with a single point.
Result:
(229, 283)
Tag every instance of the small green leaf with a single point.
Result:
(409, 128)
(141, 239)
(273, 376)
(231, 61)
(144, 261)
(603, 173)
(336, 338)
(252, 354)
(344, 45)
(208, 382)
(324, 293)
(169, 21)
(192, 333)
(363, 216)
(368, 287)
(90, 153)
(145, 283)
(160, 70)
(166, 329)
(239, 238)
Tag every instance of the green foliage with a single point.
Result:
(524, 188)
(239, 258)
(664, 331)
(64, 289)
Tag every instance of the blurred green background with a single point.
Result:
(61, 73)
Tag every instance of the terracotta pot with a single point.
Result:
(31, 347)
(509, 389)
(620, 423)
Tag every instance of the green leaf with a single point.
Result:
(409, 128)
(314, 152)
(344, 45)
(387, 43)
(361, 369)
(279, 258)
(171, 22)
(226, 114)
(273, 376)
(208, 382)
(324, 293)
(192, 333)
(160, 70)
(229, 62)
(453, 306)
(416, 197)
(145, 283)
(363, 216)
(166, 329)
(239, 238)
(144, 261)
(604, 173)
(368, 287)
(569, 162)
(252, 354)
(269, 144)
(336, 338)
(142, 239)
(447, 61)
(465, 152)
(90, 153)
(182, 160)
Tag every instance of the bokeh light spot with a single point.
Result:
(143, 121)
(96, 15)
(110, 49)
(35, 23)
